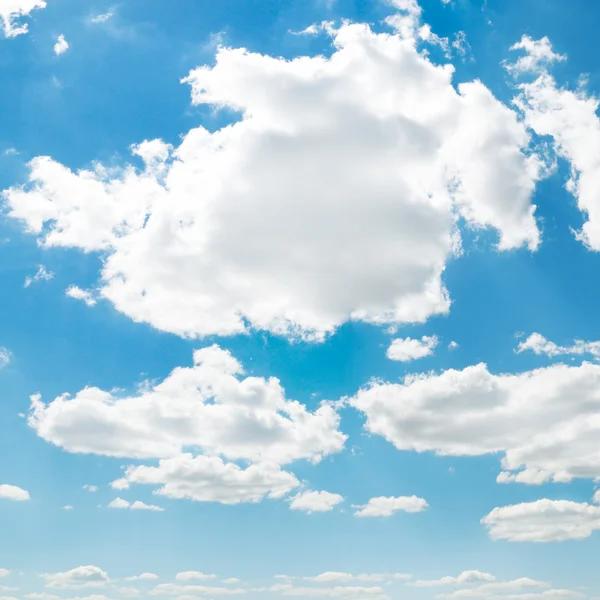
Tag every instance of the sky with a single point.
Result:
(299, 299)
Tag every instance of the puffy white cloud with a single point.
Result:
(407, 349)
(61, 45)
(12, 10)
(193, 575)
(546, 421)
(543, 521)
(312, 501)
(538, 55)
(209, 479)
(142, 577)
(5, 356)
(340, 577)
(333, 197)
(386, 507)
(208, 406)
(137, 505)
(85, 295)
(42, 274)
(538, 344)
(81, 577)
(12, 492)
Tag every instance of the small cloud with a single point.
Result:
(407, 349)
(143, 576)
(312, 501)
(61, 45)
(102, 18)
(538, 56)
(76, 292)
(119, 503)
(42, 275)
(193, 575)
(90, 488)
(453, 345)
(12, 492)
(5, 357)
(386, 507)
(68, 507)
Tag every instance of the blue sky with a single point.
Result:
(387, 270)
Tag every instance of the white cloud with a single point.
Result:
(4, 572)
(193, 575)
(68, 507)
(311, 501)
(78, 578)
(538, 344)
(208, 406)
(473, 576)
(407, 349)
(90, 488)
(386, 507)
(546, 421)
(570, 119)
(334, 197)
(209, 479)
(12, 492)
(102, 18)
(142, 577)
(12, 10)
(340, 577)
(538, 55)
(173, 589)
(76, 292)
(453, 345)
(596, 498)
(137, 505)
(344, 592)
(543, 521)
(42, 275)
(42, 596)
(61, 45)
(5, 357)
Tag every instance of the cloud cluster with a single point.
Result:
(539, 345)
(119, 503)
(546, 422)
(334, 196)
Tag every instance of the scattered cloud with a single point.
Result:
(68, 507)
(79, 578)
(453, 345)
(11, 11)
(386, 507)
(188, 591)
(538, 56)
(4, 572)
(539, 345)
(340, 577)
(374, 176)
(407, 349)
(465, 577)
(90, 488)
(543, 521)
(101, 18)
(137, 505)
(12, 492)
(142, 577)
(61, 45)
(193, 575)
(76, 292)
(42, 275)
(5, 357)
(545, 422)
(311, 501)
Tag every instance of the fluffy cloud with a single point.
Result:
(407, 349)
(42, 274)
(61, 45)
(465, 577)
(546, 421)
(538, 344)
(569, 118)
(333, 197)
(316, 501)
(137, 505)
(207, 406)
(209, 479)
(78, 578)
(12, 10)
(85, 295)
(538, 55)
(142, 577)
(12, 492)
(193, 575)
(386, 507)
(543, 521)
